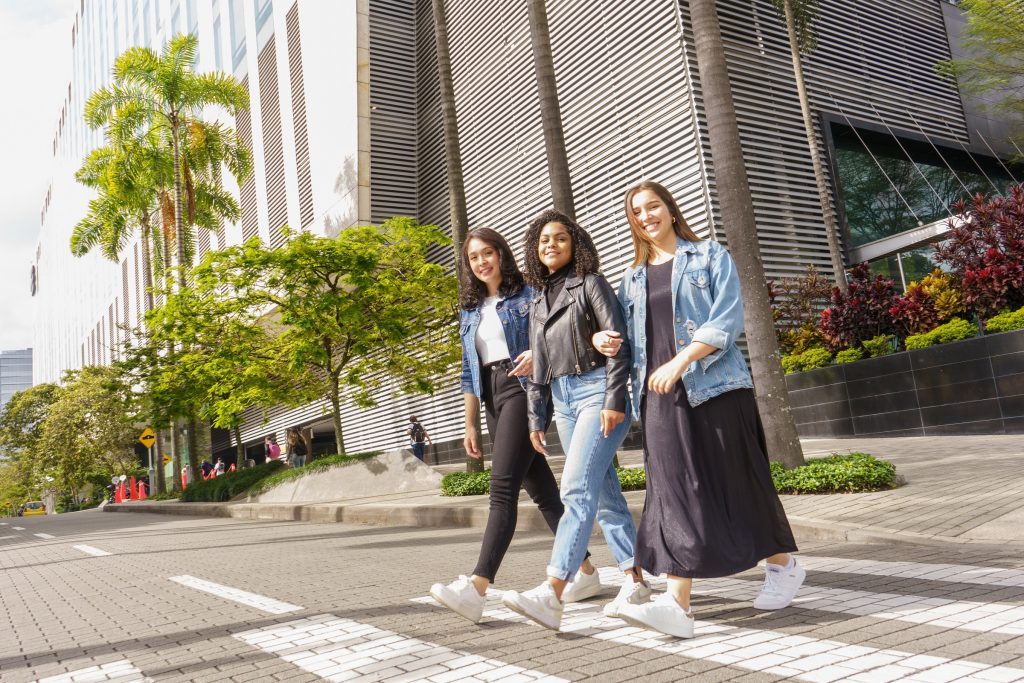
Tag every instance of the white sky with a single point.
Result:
(35, 49)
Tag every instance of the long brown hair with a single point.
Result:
(642, 242)
(471, 290)
(585, 258)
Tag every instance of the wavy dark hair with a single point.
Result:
(471, 290)
(584, 254)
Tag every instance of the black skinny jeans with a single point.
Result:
(514, 464)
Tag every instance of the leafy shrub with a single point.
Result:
(795, 342)
(944, 291)
(849, 356)
(791, 364)
(163, 496)
(1006, 321)
(479, 483)
(229, 484)
(956, 329)
(862, 313)
(882, 345)
(812, 359)
(914, 312)
(321, 464)
(796, 304)
(836, 474)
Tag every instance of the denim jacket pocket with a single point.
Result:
(699, 278)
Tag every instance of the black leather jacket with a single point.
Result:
(561, 343)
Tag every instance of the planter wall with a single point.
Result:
(970, 387)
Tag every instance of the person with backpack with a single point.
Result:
(418, 438)
(273, 450)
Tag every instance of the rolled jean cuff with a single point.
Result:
(626, 565)
(559, 573)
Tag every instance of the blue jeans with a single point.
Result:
(590, 487)
(417, 450)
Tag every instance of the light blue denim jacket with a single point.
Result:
(514, 313)
(708, 309)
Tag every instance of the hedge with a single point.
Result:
(956, 329)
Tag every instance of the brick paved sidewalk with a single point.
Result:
(958, 489)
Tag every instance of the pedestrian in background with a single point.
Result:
(496, 360)
(218, 468)
(711, 509)
(296, 447)
(418, 438)
(271, 448)
(588, 394)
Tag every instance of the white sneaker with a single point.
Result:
(538, 604)
(663, 614)
(461, 597)
(631, 593)
(780, 585)
(581, 587)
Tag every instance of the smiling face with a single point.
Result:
(485, 262)
(554, 247)
(654, 219)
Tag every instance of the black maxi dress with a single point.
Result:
(711, 507)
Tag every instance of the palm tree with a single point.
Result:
(551, 113)
(738, 214)
(799, 16)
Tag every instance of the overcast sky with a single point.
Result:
(35, 49)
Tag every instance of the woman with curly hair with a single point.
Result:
(494, 329)
(588, 395)
(711, 508)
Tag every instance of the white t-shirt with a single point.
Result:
(490, 336)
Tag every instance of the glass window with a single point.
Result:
(264, 10)
(217, 51)
(176, 21)
(889, 193)
(237, 19)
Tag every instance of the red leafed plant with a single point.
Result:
(985, 250)
(914, 312)
(862, 313)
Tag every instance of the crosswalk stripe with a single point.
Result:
(260, 602)
(121, 671)
(340, 649)
(46, 536)
(18, 528)
(90, 550)
(775, 652)
(987, 617)
(955, 573)
(11, 536)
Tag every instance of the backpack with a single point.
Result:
(273, 451)
(417, 433)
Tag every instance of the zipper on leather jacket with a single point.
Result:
(575, 351)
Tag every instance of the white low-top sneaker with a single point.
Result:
(581, 587)
(461, 597)
(663, 614)
(780, 585)
(538, 604)
(630, 593)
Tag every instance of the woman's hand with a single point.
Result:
(610, 419)
(607, 342)
(537, 439)
(472, 443)
(523, 364)
(665, 377)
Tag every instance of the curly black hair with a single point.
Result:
(471, 290)
(585, 258)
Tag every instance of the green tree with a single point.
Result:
(734, 200)
(994, 39)
(354, 314)
(88, 429)
(21, 427)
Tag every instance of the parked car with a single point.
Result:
(34, 507)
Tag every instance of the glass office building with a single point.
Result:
(15, 373)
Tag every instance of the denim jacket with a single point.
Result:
(514, 313)
(708, 309)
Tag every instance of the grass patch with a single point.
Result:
(853, 473)
(229, 484)
(321, 464)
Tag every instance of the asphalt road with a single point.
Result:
(102, 597)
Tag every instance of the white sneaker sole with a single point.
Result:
(522, 611)
(675, 633)
(455, 607)
(771, 606)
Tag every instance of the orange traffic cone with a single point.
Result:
(184, 480)
(132, 491)
(232, 468)
(142, 490)
(119, 493)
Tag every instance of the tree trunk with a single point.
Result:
(829, 217)
(172, 432)
(738, 215)
(240, 458)
(193, 443)
(179, 224)
(339, 438)
(160, 485)
(453, 157)
(550, 112)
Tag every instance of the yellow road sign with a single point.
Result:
(167, 458)
(148, 437)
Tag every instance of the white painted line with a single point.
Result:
(986, 617)
(121, 672)
(89, 550)
(341, 649)
(260, 602)
(773, 652)
(11, 536)
(18, 528)
(46, 536)
(3, 523)
(954, 573)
